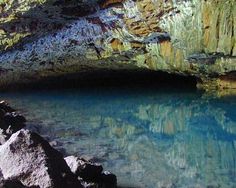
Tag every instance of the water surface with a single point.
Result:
(148, 138)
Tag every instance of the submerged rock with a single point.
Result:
(29, 158)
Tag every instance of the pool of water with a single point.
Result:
(148, 138)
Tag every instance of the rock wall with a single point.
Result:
(41, 38)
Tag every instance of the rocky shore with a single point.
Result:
(28, 160)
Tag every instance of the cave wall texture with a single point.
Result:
(42, 38)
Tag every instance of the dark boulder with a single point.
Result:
(5, 106)
(3, 137)
(90, 174)
(108, 180)
(29, 158)
(14, 122)
(12, 184)
(10, 121)
(86, 170)
(2, 113)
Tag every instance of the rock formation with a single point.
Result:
(10, 121)
(28, 160)
(41, 38)
(31, 160)
(91, 172)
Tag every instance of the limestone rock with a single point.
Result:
(44, 38)
(10, 183)
(86, 170)
(90, 174)
(74, 163)
(30, 159)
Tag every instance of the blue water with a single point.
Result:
(148, 138)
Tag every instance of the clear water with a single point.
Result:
(148, 138)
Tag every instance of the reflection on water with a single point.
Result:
(148, 138)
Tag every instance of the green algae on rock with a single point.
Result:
(50, 38)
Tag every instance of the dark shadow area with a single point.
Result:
(136, 79)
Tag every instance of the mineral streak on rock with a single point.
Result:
(42, 38)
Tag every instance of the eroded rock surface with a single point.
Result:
(27, 160)
(50, 38)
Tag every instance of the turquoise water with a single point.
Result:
(148, 138)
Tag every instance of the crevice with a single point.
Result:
(233, 38)
(232, 33)
(218, 30)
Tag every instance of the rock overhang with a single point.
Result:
(181, 37)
